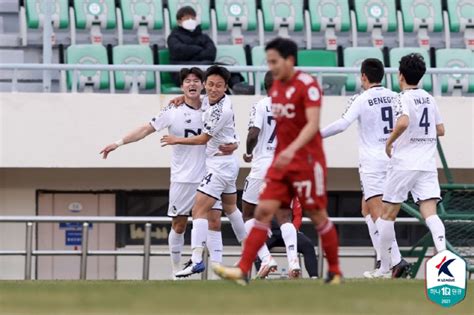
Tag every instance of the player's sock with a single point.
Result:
(214, 245)
(330, 242)
(436, 227)
(387, 235)
(288, 233)
(198, 239)
(175, 243)
(256, 238)
(263, 252)
(374, 234)
(237, 222)
(395, 255)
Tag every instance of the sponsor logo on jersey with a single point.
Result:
(283, 110)
(289, 92)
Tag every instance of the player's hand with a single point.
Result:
(105, 151)
(284, 158)
(228, 148)
(388, 150)
(177, 101)
(248, 157)
(168, 140)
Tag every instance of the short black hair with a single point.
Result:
(412, 67)
(186, 10)
(268, 81)
(285, 47)
(220, 71)
(373, 70)
(184, 72)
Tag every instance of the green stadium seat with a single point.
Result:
(142, 15)
(353, 57)
(133, 55)
(167, 84)
(88, 54)
(461, 19)
(233, 55)
(397, 53)
(422, 16)
(95, 15)
(259, 58)
(201, 7)
(329, 16)
(455, 58)
(236, 16)
(376, 16)
(282, 16)
(35, 13)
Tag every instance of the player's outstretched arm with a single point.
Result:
(201, 139)
(252, 139)
(440, 130)
(306, 135)
(402, 124)
(336, 127)
(133, 136)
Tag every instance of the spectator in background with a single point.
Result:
(188, 45)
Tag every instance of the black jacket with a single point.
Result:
(191, 47)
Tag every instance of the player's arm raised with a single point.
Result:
(201, 139)
(340, 125)
(136, 135)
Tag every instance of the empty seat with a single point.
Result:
(95, 15)
(353, 57)
(259, 57)
(200, 6)
(142, 15)
(329, 16)
(376, 16)
(422, 16)
(397, 53)
(233, 55)
(133, 55)
(282, 16)
(456, 58)
(167, 84)
(236, 16)
(461, 19)
(88, 54)
(35, 10)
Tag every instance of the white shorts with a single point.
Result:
(181, 198)
(423, 185)
(252, 189)
(372, 184)
(220, 178)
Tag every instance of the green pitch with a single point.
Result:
(404, 297)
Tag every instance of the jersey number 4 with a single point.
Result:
(424, 122)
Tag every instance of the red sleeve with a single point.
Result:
(311, 92)
(297, 213)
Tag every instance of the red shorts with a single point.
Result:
(308, 185)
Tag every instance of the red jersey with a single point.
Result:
(289, 102)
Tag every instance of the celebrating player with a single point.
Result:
(298, 168)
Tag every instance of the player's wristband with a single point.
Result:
(119, 142)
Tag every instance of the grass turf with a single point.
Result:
(400, 297)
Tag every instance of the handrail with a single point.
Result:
(84, 252)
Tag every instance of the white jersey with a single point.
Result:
(187, 161)
(373, 111)
(261, 117)
(415, 149)
(219, 124)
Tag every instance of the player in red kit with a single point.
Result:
(298, 168)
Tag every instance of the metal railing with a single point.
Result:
(157, 69)
(146, 253)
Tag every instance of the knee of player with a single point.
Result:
(214, 222)
(179, 226)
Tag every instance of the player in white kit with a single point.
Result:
(221, 170)
(187, 162)
(412, 151)
(373, 111)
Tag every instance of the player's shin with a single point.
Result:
(175, 243)
(198, 239)
(387, 235)
(437, 230)
(374, 234)
(214, 245)
(263, 253)
(330, 242)
(237, 222)
(288, 233)
(256, 238)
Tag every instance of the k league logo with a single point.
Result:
(446, 279)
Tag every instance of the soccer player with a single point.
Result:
(412, 151)
(187, 163)
(373, 111)
(261, 143)
(221, 170)
(298, 168)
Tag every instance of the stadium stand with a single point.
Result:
(353, 57)
(87, 54)
(233, 55)
(397, 53)
(133, 54)
(141, 16)
(167, 84)
(93, 16)
(459, 17)
(456, 58)
(235, 16)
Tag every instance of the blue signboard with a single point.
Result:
(73, 238)
(72, 225)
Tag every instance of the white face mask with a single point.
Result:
(189, 24)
